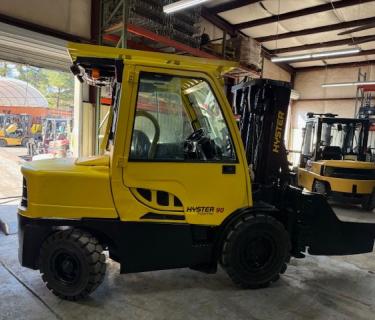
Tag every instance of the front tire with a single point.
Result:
(24, 142)
(367, 203)
(255, 251)
(320, 187)
(72, 264)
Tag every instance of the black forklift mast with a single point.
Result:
(262, 106)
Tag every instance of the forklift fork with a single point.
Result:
(321, 232)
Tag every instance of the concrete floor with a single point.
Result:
(312, 288)
(10, 184)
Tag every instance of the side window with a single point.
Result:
(178, 119)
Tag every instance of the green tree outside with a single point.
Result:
(4, 69)
(56, 86)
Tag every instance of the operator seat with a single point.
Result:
(331, 153)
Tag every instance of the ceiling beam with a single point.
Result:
(299, 13)
(231, 5)
(217, 21)
(304, 32)
(287, 67)
(348, 41)
(336, 65)
(227, 27)
(357, 29)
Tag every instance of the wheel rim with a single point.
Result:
(319, 187)
(66, 267)
(258, 253)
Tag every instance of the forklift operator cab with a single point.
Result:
(335, 160)
(177, 150)
(171, 188)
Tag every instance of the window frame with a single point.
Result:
(192, 161)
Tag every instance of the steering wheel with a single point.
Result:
(197, 135)
(199, 146)
(140, 140)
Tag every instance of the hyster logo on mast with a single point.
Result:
(279, 131)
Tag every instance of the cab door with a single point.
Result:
(182, 160)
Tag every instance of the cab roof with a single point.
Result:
(148, 58)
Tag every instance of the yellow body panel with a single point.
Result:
(12, 141)
(106, 187)
(307, 176)
(36, 128)
(60, 188)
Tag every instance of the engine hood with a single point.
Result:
(95, 161)
(66, 164)
(69, 188)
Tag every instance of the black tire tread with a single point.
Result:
(3, 143)
(242, 223)
(93, 252)
(366, 204)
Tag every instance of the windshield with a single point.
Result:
(336, 139)
(347, 136)
(209, 115)
(178, 118)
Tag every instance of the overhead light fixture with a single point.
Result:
(316, 55)
(346, 84)
(291, 58)
(338, 84)
(182, 4)
(335, 53)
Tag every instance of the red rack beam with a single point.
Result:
(131, 44)
(142, 32)
(367, 87)
(139, 31)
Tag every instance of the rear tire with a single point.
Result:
(3, 143)
(72, 264)
(255, 251)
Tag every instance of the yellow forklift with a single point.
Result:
(335, 160)
(17, 129)
(172, 188)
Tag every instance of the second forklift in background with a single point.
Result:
(17, 129)
(336, 161)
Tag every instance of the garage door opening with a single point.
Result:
(36, 119)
